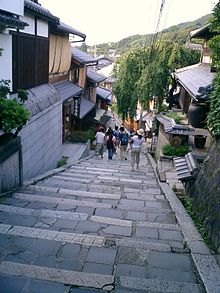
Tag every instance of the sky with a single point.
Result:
(105, 21)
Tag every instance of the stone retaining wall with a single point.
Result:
(41, 141)
(206, 192)
(10, 165)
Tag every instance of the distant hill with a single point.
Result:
(177, 33)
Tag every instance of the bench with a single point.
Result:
(187, 167)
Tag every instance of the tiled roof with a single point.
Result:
(203, 32)
(94, 76)
(85, 107)
(9, 21)
(196, 79)
(172, 128)
(186, 167)
(103, 93)
(66, 29)
(40, 98)
(67, 89)
(41, 11)
(82, 57)
(111, 79)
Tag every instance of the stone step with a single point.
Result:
(46, 213)
(107, 180)
(87, 240)
(97, 281)
(147, 196)
(123, 205)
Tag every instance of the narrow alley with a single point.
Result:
(96, 226)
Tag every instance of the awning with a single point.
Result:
(82, 57)
(196, 79)
(85, 107)
(94, 77)
(67, 90)
(63, 28)
(40, 11)
(9, 21)
(103, 93)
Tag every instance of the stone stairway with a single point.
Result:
(94, 227)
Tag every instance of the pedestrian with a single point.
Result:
(110, 143)
(116, 135)
(123, 143)
(136, 142)
(100, 141)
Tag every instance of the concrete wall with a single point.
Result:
(206, 192)
(41, 141)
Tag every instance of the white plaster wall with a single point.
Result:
(15, 6)
(41, 142)
(42, 28)
(6, 58)
(30, 29)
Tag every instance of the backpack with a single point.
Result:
(109, 143)
(124, 139)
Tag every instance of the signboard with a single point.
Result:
(75, 107)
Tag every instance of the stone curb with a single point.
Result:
(205, 262)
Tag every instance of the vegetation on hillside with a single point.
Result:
(177, 33)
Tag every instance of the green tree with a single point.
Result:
(144, 74)
(214, 113)
(128, 72)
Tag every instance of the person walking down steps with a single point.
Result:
(100, 140)
(136, 142)
(123, 143)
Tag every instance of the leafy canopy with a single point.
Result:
(144, 74)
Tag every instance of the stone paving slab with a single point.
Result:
(44, 213)
(151, 285)
(58, 275)
(111, 221)
(83, 239)
(78, 192)
(48, 199)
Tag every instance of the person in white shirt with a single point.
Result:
(136, 142)
(100, 140)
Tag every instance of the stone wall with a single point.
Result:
(161, 141)
(41, 141)
(206, 192)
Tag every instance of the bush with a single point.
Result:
(169, 150)
(79, 136)
(62, 161)
(91, 134)
(12, 115)
(174, 116)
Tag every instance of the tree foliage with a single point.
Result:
(144, 74)
(214, 113)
